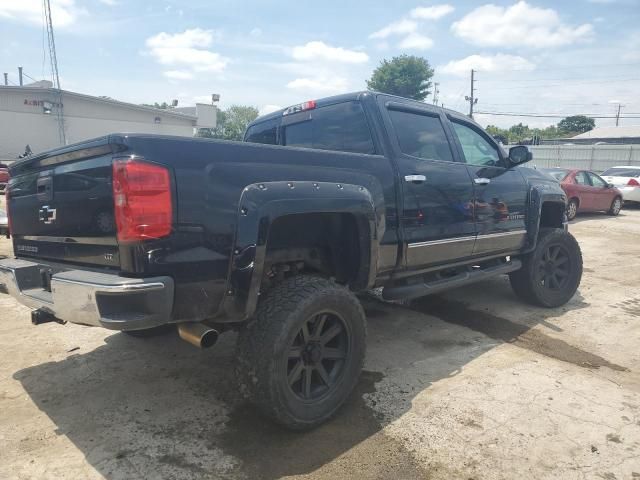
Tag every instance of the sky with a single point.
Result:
(534, 57)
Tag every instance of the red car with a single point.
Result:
(586, 192)
(4, 177)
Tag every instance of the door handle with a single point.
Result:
(415, 178)
(482, 181)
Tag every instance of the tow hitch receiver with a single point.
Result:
(42, 316)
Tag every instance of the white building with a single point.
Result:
(30, 115)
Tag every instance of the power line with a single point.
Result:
(555, 115)
(571, 83)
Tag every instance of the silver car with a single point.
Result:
(4, 223)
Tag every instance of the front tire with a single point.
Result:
(551, 274)
(301, 356)
(616, 206)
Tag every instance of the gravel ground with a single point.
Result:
(468, 385)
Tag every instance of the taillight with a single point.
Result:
(633, 183)
(142, 200)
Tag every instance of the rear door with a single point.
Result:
(437, 193)
(584, 191)
(500, 192)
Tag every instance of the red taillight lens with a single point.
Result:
(633, 183)
(142, 199)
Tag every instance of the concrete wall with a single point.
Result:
(590, 157)
(23, 121)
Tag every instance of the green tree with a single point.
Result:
(161, 106)
(406, 76)
(231, 123)
(576, 124)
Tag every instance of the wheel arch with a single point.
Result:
(547, 209)
(276, 220)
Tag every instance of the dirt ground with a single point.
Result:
(469, 385)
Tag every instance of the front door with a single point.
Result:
(601, 194)
(500, 192)
(437, 193)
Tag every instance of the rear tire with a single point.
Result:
(616, 206)
(551, 274)
(572, 209)
(301, 356)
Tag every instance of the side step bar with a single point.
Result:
(422, 289)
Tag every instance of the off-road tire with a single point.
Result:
(266, 364)
(534, 282)
(572, 209)
(151, 332)
(616, 206)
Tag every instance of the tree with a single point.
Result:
(161, 106)
(576, 124)
(406, 76)
(231, 123)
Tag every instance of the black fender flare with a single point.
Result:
(540, 195)
(263, 203)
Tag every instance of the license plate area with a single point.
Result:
(45, 278)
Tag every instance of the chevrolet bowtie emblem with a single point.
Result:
(47, 215)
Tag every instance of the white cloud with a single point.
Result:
(486, 63)
(63, 12)
(319, 85)
(518, 25)
(187, 49)
(416, 41)
(266, 109)
(178, 75)
(400, 27)
(321, 51)
(431, 13)
(110, 3)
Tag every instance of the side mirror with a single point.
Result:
(610, 185)
(519, 154)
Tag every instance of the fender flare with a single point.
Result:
(261, 204)
(538, 196)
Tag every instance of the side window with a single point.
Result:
(581, 179)
(477, 149)
(596, 181)
(342, 127)
(263, 132)
(421, 136)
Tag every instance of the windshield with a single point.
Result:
(557, 173)
(622, 172)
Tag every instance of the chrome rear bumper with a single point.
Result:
(90, 298)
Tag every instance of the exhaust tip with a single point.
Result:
(198, 334)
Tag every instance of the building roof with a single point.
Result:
(29, 89)
(612, 132)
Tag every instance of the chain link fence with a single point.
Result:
(589, 157)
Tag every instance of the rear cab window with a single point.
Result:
(341, 127)
(263, 132)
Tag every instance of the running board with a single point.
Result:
(422, 289)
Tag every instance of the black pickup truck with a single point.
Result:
(273, 236)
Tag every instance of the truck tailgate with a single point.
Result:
(61, 206)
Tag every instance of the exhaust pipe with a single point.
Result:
(198, 334)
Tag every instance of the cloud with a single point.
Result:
(486, 63)
(187, 49)
(416, 41)
(178, 75)
(400, 27)
(520, 25)
(321, 51)
(434, 12)
(266, 109)
(110, 3)
(319, 85)
(63, 12)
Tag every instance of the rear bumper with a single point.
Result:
(630, 194)
(90, 298)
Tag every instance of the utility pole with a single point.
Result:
(436, 91)
(618, 114)
(471, 98)
(54, 70)
(20, 75)
(6, 78)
